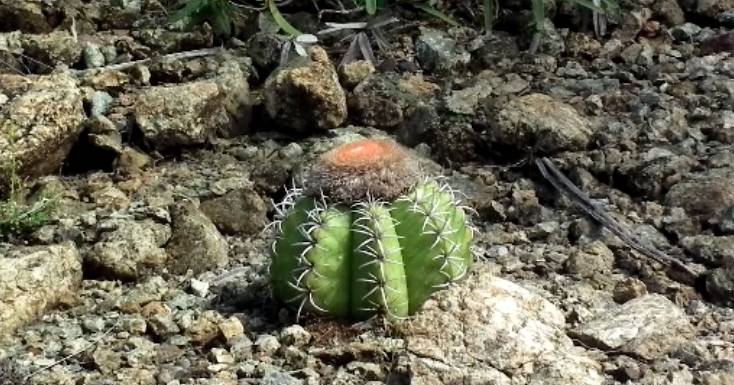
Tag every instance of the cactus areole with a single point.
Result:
(368, 236)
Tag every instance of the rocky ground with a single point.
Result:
(153, 269)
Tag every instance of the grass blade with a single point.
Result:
(489, 11)
(371, 6)
(429, 9)
(281, 21)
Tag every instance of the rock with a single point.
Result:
(593, 258)
(538, 120)
(720, 285)
(104, 135)
(35, 279)
(131, 160)
(264, 49)
(279, 378)
(237, 212)
(628, 289)
(713, 8)
(202, 109)
(195, 242)
(267, 345)
(648, 327)
(355, 72)
(709, 249)
(27, 16)
(465, 101)
(39, 127)
(307, 96)
(706, 197)
(438, 53)
(655, 173)
(232, 330)
(128, 249)
(295, 335)
(93, 56)
(387, 101)
(489, 330)
(51, 50)
(670, 12)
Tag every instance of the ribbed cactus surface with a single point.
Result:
(369, 257)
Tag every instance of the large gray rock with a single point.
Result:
(237, 212)
(39, 126)
(540, 120)
(128, 249)
(437, 52)
(52, 49)
(710, 249)
(706, 197)
(648, 327)
(35, 279)
(191, 113)
(196, 243)
(492, 331)
(306, 96)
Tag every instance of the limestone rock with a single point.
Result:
(195, 243)
(648, 327)
(39, 127)
(307, 96)
(34, 279)
(538, 119)
(128, 249)
(489, 330)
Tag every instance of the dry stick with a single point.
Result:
(551, 173)
(170, 56)
(91, 344)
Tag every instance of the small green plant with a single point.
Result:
(17, 215)
(367, 236)
(218, 13)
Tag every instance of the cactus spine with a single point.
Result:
(369, 256)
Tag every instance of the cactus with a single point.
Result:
(367, 236)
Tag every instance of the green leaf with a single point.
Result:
(281, 21)
(539, 13)
(489, 11)
(221, 22)
(429, 9)
(188, 9)
(371, 6)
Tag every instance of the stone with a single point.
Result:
(267, 345)
(201, 109)
(304, 97)
(239, 211)
(27, 16)
(195, 242)
(232, 330)
(438, 53)
(295, 335)
(706, 197)
(709, 249)
(712, 8)
(131, 160)
(93, 56)
(670, 12)
(34, 279)
(51, 50)
(720, 285)
(39, 127)
(539, 120)
(648, 327)
(491, 331)
(628, 289)
(387, 101)
(355, 72)
(593, 258)
(128, 249)
(465, 101)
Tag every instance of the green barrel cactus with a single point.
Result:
(367, 236)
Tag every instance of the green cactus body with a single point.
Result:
(370, 258)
